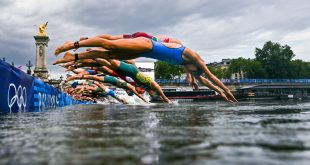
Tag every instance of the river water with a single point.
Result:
(250, 132)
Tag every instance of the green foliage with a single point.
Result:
(275, 59)
(272, 61)
(237, 65)
(299, 69)
(218, 72)
(251, 68)
(254, 70)
(164, 70)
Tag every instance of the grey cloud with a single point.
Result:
(131, 16)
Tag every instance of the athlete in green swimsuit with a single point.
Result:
(141, 79)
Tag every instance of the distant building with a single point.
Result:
(238, 75)
(224, 64)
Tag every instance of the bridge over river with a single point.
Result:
(243, 89)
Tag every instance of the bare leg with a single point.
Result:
(91, 77)
(83, 73)
(96, 54)
(136, 45)
(110, 37)
(105, 36)
(76, 71)
(104, 62)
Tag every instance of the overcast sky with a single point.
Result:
(215, 29)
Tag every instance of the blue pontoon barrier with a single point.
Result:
(20, 92)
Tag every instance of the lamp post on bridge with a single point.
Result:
(29, 65)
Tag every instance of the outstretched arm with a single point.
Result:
(196, 59)
(207, 83)
(160, 91)
(214, 79)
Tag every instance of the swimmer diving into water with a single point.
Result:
(124, 49)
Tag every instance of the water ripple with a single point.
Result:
(184, 133)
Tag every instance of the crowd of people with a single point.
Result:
(110, 60)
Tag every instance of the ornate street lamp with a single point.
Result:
(29, 65)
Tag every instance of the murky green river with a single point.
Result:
(261, 132)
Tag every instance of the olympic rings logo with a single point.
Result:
(19, 97)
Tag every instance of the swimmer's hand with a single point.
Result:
(195, 86)
(122, 100)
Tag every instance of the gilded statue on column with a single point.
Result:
(42, 29)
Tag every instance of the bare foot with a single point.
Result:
(67, 58)
(69, 64)
(71, 78)
(70, 68)
(64, 47)
(83, 38)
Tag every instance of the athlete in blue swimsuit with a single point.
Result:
(124, 49)
(163, 53)
(190, 76)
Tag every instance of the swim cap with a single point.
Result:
(140, 90)
(131, 93)
(74, 84)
